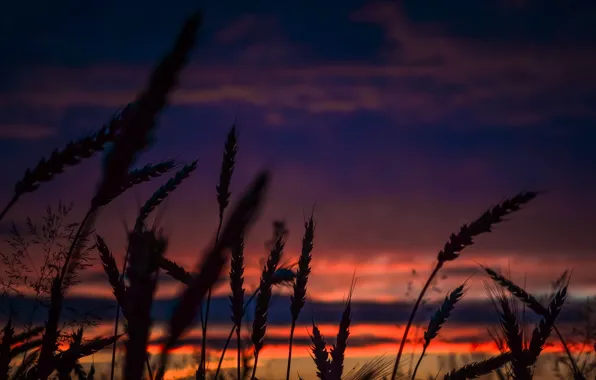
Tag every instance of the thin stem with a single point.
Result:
(74, 245)
(148, 367)
(254, 368)
(416, 305)
(419, 361)
(204, 324)
(204, 342)
(230, 337)
(118, 317)
(412, 352)
(221, 358)
(114, 344)
(238, 357)
(571, 359)
(292, 328)
(9, 205)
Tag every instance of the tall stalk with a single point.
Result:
(457, 243)
(229, 339)
(223, 199)
(299, 297)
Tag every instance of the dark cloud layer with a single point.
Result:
(467, 313)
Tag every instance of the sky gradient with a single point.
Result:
(399, 121)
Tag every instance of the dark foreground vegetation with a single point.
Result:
(28, 351)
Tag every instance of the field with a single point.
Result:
(528, 325)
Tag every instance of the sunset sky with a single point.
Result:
(398, 121)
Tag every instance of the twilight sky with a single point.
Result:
(400, 120)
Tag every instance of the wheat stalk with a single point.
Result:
(546, 324)
(222, 191)
(338, 350)
(25, 366)
(170, 267)
(72, 154)
(138, 124)
(111, 269)
(259, 326)
(135, 177)
(67, 361)
(146, 246)
(376, 369)
(438, 320)
(176, 271)
(282, 276)
(138, 121)
(512, 334)
(237, 297)
(163, 191)
(209, 269)
(7, 341)
(320, 355)
(533, 304)
(26, 335)
(477, 369)
(228, 164)
(458, 242)
(22, 348)
(299, 297)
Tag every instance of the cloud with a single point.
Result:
(26, 131)
(468, 312)
(429, 71)
(424, 75)
(524, 90)
(239, 29)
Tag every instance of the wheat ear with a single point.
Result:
(298, 299)
(170, 267)
(259, 327)
(533, 304)
(59, 160)
(210, 267)
(338, 351)
(146, 246)
(320, 355)
(457, 243)
(223, 194)
(477, 369)
(438, 320)
(281, 277)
